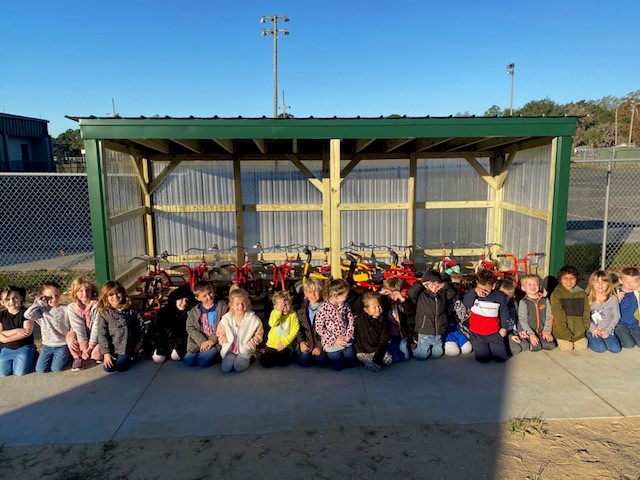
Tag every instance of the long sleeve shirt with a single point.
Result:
(53, 321)
(282, 328)
(332, 322)
(605, 316)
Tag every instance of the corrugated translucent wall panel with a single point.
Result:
(449, 179)
(380, 227)
(377, 182)
(523, 234)
(464, 226)
(283, 228)
(127, 241)
(123, 189)
(527, 182)
(177, 232)
(195, 183)
(278, 182)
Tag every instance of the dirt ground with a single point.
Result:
(519, 449)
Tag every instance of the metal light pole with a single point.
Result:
(511, 72)
(274, 31)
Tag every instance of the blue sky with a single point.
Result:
(344, 58)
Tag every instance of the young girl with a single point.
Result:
(605, 313)
(283, 328)
(16, 334)
(52, 317)
(400, 321)
(334, 323)
(309, 348)
(239, 333)
(82, 340)
(120, 328)
(372, 334)
(517, 338)
(167, 334)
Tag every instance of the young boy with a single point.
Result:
(372, 334)
(488, 319)
(517, 340)
(400, 321)
(570, 310)
(627, 329)
(202, 320)
(283, 328)
(534, 314)
(430, 298)
(309, 348)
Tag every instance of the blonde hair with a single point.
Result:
(108, 288)
(369, 297)
(240, 293)
(313, 284)
(80, 282)
(591, 293)
(393, 283)
(281, 295)
(203, 286)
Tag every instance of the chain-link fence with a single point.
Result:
(603, 218)
(45, 231)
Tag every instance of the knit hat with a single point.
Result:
(432, 276)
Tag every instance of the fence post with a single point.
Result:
(560, 203)
(605, 225)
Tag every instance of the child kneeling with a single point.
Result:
(283, 328)
(372, 334)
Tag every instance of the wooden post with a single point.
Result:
(411, 198)
(148, 216)
(237, 188)
(334, 180)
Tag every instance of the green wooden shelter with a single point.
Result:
(147, 175)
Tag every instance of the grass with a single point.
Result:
(528, 426)
(587, 257)
(33, 279)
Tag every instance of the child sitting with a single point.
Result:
(627, 330)
(283, 328)
(400, 319)
(83, 317)
(167, 334)
(517, 339)
(334, 323)
(120, 328)
(371, 334)
(16, 334)
(570, 310)
(605, 313)
(309, 348)
(488, 319)
(202, 321)
(534, 314)
(52, 317)
(430, 297)
(456, 341)
(239, 332)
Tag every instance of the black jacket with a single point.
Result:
(307, 333)
(431, 308)
(371, 335)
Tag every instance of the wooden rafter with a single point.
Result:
(154, 144)
(486, 176)
(467, 143)
(261, 145)
(224, 143)
(307, 173)
(349, 167)
(137, 165)
(119, 147)
(394, 143)
(502, 177)
(423, 144)
(165, 173)
(193, 145)
(362, 143)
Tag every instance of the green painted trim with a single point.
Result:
(98, 208)
(560, 203)
(224, 128)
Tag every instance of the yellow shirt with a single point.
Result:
(282, 328)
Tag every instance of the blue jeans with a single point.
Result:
(52, 359)
(121, 363)
(17, 361)
(340, 359)
(204, 358)
(600, 345)
(306, 359)
(428, 346)
(629, 336)
(398, 349)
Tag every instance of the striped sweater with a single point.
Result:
(487, 314)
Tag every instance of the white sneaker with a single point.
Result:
(157, 358)
(175, 356)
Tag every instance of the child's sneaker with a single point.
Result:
(77, 364)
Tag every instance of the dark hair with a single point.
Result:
(11, 289)
(485, 277)
(568, 270)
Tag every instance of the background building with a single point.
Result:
(25, 144)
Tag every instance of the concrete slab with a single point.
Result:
(172, 400)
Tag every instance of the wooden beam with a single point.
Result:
(454, 204)
(149, 223)
(118, 147)
(237, 189)
(173, 164)
(123, 217)
(411, 198)
(307, 173)
(502, 177)
(326, 201)
(194, 208)
(394, 143)
(294, 145)
(136, 162)
(349, 167)
(224, 143)
(334, 177)
(154, 144)
(423, 144)
(193, 145)
(374, 206)
(283, 207)
(466, 143)
(362, 143)
(261, 145)
(486, 176)
(528, 211)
